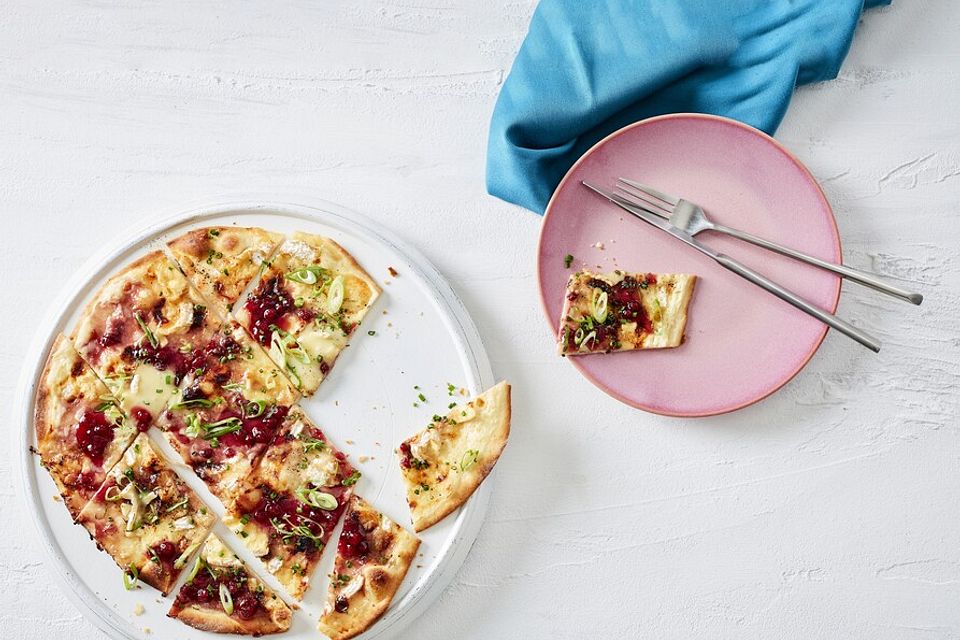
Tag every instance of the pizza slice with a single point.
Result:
(222, 595)
(230, 407)
(138, 331)
(146, 517)
(307, 304)
(292, 501)
(373, 556)
(621, 311)
(445, 463)
(221, 261)
(81, 432)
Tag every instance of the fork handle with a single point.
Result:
(786, 295)
(863, 277)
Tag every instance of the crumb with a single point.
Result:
(57, 498)
(389, 324)
(386, 282)
(363, 459)
(392, 271)
(598, 245)
(463, 391)
(350, 442)
(384, 312)
(147, 630)
(138, 609)
(419, 566)
(336, 403)
(377, 443)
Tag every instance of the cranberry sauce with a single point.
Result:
(258, 430)
(94, 433)
(141, 417)
(166, 553)
(268, 305)
(204, 590)
(283, 513)
(353, 540)
(405, 456)
(624, 304)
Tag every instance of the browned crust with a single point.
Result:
(435, 511)
(350, 259)
(216, 621)
(191, 249)
(381, 583)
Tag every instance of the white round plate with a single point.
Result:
(424, 338)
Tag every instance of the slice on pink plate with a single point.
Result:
(742, 344)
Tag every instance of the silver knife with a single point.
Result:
(742, 270)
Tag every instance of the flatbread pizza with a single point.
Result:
(621, 311)
(373, 556)
(445, 463)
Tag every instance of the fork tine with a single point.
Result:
(642, 200)
(671, 200)
(634, 201)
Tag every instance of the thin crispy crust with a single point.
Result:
(444, 464)
(664, 298)
(275, 617)
(68, 389)
(221, 261)
(387, 540)
(105, 519)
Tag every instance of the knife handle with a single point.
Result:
(863, 277)
(788, 296)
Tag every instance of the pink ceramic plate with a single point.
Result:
(742, 344)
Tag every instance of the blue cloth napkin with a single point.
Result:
(587, 68)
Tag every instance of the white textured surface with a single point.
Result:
(829, 510)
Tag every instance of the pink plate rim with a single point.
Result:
(747, 128)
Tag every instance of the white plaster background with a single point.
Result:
(828, 510)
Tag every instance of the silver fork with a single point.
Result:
(691, 218)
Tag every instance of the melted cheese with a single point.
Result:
(141, 389)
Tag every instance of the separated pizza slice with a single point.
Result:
(146, 517)
(292, 501)
(223, 596)
(307, 304)
(445, 463)
(373, 556)
(81, 432)
(221, 261)
(231, 405)
(621, 311)
(138, 331)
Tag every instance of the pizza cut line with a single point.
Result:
(622, 311)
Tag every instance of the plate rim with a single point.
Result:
(98, 266)
(750, 130)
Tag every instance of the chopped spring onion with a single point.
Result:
(198, 563)
(176, 505)
(194, 426)
(201, 403)
(317, 498)
(131, 578)
(254, 409)
(351, 480)
(152, 339)
(226, 599)
(182, 560)
(582, 339)
(307, 275)
(112, 497)
(335, 295)
(233, 386)
(282, 347)
(221, 427)
(599, 305)
(469, 459)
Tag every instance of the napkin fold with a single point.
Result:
(587, 68)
